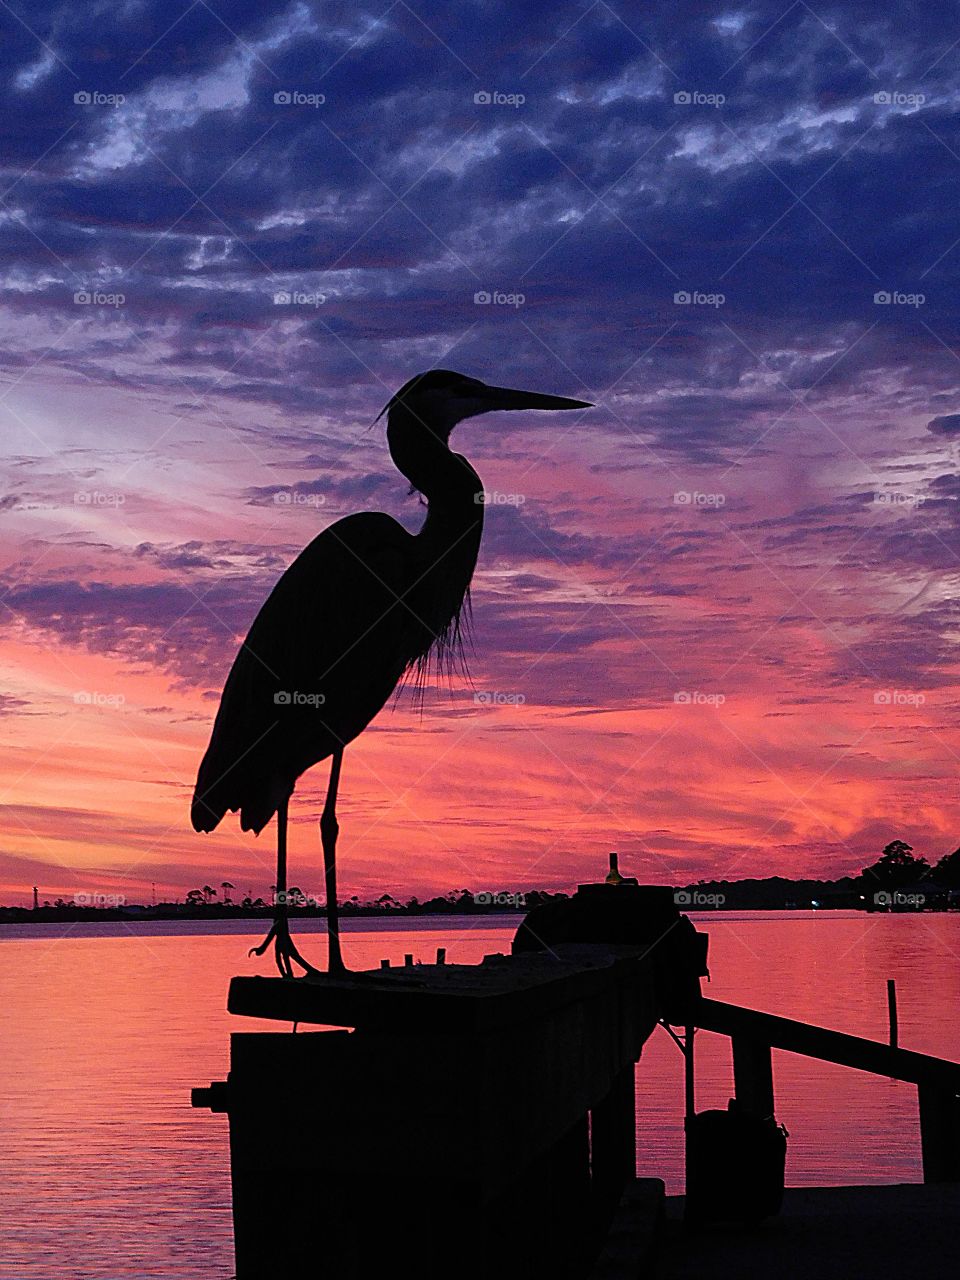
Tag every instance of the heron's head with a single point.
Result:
(439, 399)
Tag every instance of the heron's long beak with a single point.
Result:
(507, 398)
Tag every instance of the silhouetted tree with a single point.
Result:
(226, 886)
(209, 892)
(897, 865)
(195, 898)
(947, 870)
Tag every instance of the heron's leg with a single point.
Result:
(329, 829)
(279, 935)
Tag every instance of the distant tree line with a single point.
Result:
(897, 868)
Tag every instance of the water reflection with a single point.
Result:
(110, 1174)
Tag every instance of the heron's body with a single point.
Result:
(362, 605)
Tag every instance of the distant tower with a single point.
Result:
(613, 875)
(36, 899)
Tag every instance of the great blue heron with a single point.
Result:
(365, 603)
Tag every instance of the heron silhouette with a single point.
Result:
(360, 608)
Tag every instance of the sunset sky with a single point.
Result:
(715, 618)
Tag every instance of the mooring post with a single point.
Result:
(753, 1075)
(892, 1010)
(939, 1133)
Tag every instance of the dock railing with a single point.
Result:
(754, 1034)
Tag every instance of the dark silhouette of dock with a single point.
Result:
(482, 1118)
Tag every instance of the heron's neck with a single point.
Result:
(446, 479)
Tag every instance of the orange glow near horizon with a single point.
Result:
(686, 711)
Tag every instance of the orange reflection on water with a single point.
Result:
(109, 1173)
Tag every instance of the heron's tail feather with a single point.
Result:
(211, 798)
(257, 794)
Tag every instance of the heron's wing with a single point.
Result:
(322, 657)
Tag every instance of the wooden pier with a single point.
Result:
(480, 1120)
(481, 1113)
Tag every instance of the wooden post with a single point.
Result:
(892, 1010)
(613, 1137)
(939, 1133)
(753, 1075)
(689, 1104)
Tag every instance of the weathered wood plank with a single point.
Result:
(829, 1046)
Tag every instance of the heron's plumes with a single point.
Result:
(432, 380)
(445, 658)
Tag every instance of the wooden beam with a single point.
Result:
(829, 1046)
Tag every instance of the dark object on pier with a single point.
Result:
(361, 608)
(644, 917)
(478, 1122)
(735, 1166)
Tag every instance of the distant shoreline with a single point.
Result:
(28, 916)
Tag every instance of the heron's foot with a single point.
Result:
(284, 949)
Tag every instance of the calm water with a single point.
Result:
(108, 1173)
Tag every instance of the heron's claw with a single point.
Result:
(284, 949)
